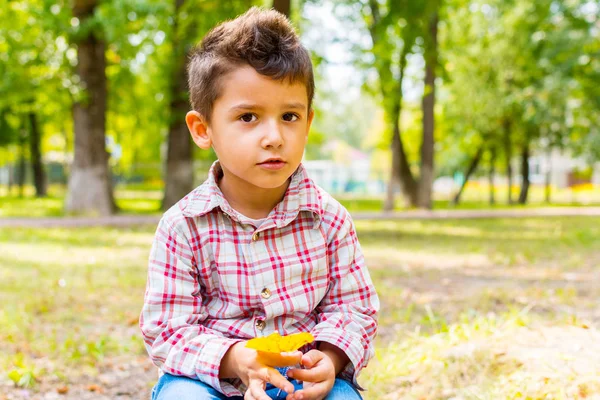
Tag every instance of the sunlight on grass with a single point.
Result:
(129, 202)
(405, 367)
(71, 298)
(146, 199)
(30, 207)
(469, 360)
(450, 291)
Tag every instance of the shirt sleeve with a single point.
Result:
(173, 314)
(347, 315)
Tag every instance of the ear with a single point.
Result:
(198, 127)
(311, 115)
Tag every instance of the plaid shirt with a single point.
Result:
(215, 279)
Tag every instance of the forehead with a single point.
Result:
(245, 85)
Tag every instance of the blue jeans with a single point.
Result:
(171, 387)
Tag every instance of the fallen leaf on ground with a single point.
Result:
(94, 388)
(62, 389)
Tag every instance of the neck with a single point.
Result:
(252, 201)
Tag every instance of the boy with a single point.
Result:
(257, 248)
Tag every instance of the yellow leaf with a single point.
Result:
(275, 343)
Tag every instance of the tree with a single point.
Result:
(510, 81)
(179, 165)
(39, 176)
(90, 182)
(283, 6)
(32, 81)
(427, 146)
(394, 33)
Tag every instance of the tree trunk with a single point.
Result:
(11, 178)
(179, 179)
(508, 154)
(491, 174)
(524, 173)
(394, 182)
(472, 167)
(388, 203)
(90, 184)
(400, 170)
(427, 147)
(65, 164)
(283, 6)
(21, 172)
(392, 89)
(39, 175)
(548, 183)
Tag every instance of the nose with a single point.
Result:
(273, 135)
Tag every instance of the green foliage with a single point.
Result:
(23, 374)
(38, 74)
(533, 63)
(517, 62)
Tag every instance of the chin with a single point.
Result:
(271, 183)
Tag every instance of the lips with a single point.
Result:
(272, 164)
(272, 161)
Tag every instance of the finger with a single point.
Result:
(290, 374)
(316, 374)
(256, 390)
(314, 391)
(293, 354)
(275, 378)
(293, 396)
(311, 358)
(248, 395)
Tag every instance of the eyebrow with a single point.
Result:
(247, 107)
(298, 106)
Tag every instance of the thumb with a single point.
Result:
(311, 358)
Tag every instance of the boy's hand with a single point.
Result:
(245, 364)
(318, 377)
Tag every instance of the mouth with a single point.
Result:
(272, 164)
(272, 161)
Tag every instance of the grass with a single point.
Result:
(70, 298)
(146, 199)
(448, 284)
(129, 200)
(453, 293)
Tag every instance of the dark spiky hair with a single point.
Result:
(262, 39)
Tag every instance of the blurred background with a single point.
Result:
(484, 106)
(417, 105)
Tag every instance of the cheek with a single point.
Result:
(235, 149)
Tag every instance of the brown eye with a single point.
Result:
(290, 117)
(248, 117)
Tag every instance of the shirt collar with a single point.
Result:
(301, 195)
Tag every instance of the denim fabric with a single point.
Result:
(171, 387)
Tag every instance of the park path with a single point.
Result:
(132, 220)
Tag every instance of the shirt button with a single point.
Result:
(265, 293)
(260, 324)
(255, 237)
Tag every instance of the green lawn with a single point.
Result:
(453, 294)
(144, 199)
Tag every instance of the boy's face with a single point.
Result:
(258, 128)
